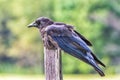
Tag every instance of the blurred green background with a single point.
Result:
(21, 48)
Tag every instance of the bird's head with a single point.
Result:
(41, 22)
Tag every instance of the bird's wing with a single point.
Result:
(71, 43)
(83, 38)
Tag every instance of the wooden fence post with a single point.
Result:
(52, 64)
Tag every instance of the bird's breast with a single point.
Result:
(47, 40)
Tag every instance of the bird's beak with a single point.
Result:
(33, 24)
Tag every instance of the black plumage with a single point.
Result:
(64, 36)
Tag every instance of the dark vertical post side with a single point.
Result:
(52, 63)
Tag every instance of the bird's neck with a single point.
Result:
(42, 29)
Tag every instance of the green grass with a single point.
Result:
(66, 77)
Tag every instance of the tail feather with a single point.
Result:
(92, 62)
(97, 60)
(100, 71)
(97, 68)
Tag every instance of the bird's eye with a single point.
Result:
(38, 22)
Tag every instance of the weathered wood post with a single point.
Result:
(52, 63)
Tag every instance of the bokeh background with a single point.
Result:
(21, 48)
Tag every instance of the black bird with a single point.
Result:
(64, 36)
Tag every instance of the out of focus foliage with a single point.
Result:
(21, 49)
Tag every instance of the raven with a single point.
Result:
(66, 38)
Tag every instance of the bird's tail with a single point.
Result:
(97, 60)
(92, 60)
(97, 68)
(99, 71)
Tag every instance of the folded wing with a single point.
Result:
(71, 43)
(83, 38)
